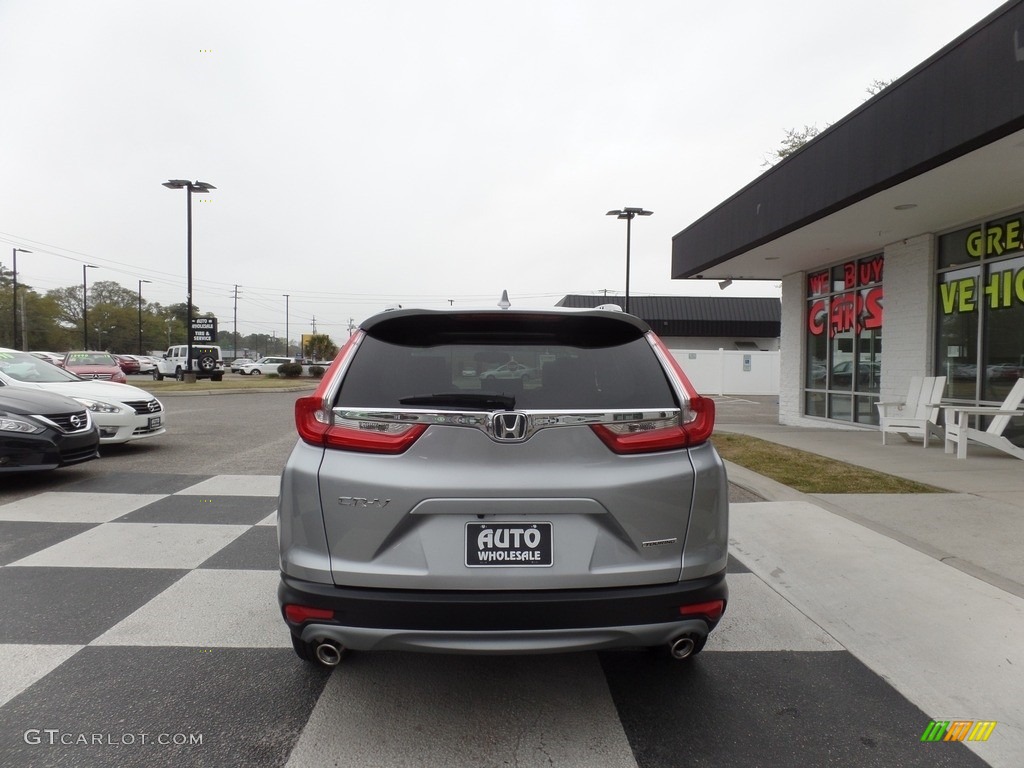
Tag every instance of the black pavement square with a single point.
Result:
(219, 707)
(254, 550)
(219, 510)
(761, 708)
(73, 605)
(21, 538)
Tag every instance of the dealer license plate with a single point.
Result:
(504, 545)
(154, 422)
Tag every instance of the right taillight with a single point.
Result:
(699, 419)
(642, 437)
(693, 427)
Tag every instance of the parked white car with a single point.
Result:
(121, 412)
(264, 365)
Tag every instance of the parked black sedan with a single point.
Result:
(41, 430)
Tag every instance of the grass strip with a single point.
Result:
(233, 383)
(809, 472)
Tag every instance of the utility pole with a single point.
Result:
(24, 325)
(236, 321)
(14, 298)
(287, 346)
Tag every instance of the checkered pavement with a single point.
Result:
(141, 627)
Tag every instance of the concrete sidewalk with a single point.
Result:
(977, 527)
(925, 589)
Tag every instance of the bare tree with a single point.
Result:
(878, 85)
(794, 139)
(797, 137)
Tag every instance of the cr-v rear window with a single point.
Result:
(545, 362)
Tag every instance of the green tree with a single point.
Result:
(37, 323)
(68, 303)
(320, 347)
(114, 294)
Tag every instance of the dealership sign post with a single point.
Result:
(203, 330)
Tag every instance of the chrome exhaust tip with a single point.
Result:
(682, 647)
(328, 653)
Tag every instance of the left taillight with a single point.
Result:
(317, 427)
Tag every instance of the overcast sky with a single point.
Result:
(410, 151)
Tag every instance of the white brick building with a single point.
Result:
(898, 235)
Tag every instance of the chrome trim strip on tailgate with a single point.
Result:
(485, 421)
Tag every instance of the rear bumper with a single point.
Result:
(505, 621)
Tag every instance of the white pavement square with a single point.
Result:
(137, 545)
(759, 619)
(460, 712)
(70, 507)
(235, 485)
(22, 665)
(208, 609)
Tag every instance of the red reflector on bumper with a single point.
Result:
(712, 610)
(300, 613)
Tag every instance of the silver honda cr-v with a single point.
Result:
(502, 481)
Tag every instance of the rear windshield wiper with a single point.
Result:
(463, 400)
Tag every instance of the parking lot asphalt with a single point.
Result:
(140, 600)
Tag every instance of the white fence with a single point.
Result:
(729, 371)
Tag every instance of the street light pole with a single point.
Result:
(287, 347)
(198, 187)
(14, 305)
(85, 307)
(140, 312)
(628, 214)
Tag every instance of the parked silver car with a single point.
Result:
(421, 510)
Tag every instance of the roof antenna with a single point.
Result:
(504, 303)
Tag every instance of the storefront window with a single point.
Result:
(1004, 328)
(844, 341)
(957, 356)
(980, 309)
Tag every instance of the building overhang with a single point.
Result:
(938, 149)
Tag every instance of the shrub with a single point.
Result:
(290, 369)
(316, 371)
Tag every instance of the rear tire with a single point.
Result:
(179, 375)
(217, 377)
